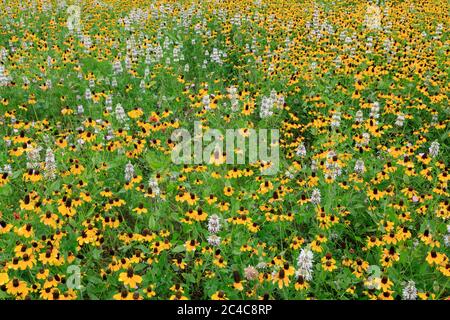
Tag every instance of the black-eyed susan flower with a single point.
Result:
(301, 284)
(17, 288)
(129, 278)
(237, 281)
(219, 295)
(281, 279)
(191, 245)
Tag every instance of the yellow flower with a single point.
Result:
(124, 295)
(281, 279)
(129, 278)
(140, 209)
(17, 287)
(191, 245)
(3, 278)
(386, 295)
(434, 257)
(228, 191)
(219, 295)
(301, 284)
(135, 113)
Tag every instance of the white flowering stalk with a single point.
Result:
(336, 120)
(360, 167)
(129, 172)
(153, 183)
(117, 67)
(120, 113)
(315, 196)
(4, 78)
(318, 28)
(81, 143)
(359, 116)
(142, 85)
(409, 291)
(110, 135)
(251, 273)
(8, 142)
(7, 168)
(314, 166)
(369, 44)
(333, 170)
(50, 165)
(438, 31)
(301, 150)
(305, 264)
(213, 228)
(375, 110)
(447, 237)
(33, 157)
(233, 96)
(214, 224)
(400, 120)
(108, 103)
(214, 240)
(216, 56)
(266, 107)
(176, 54)
(434, 119)
(434, 149)
(206, 101)
(128, 63)
(88, 94)
(159, 53)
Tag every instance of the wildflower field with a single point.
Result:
(94, 206)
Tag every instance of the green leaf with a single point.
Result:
(189, 277)
(151, 222)
(178, 249)
(6, 190)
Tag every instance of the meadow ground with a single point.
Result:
(94, 206)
